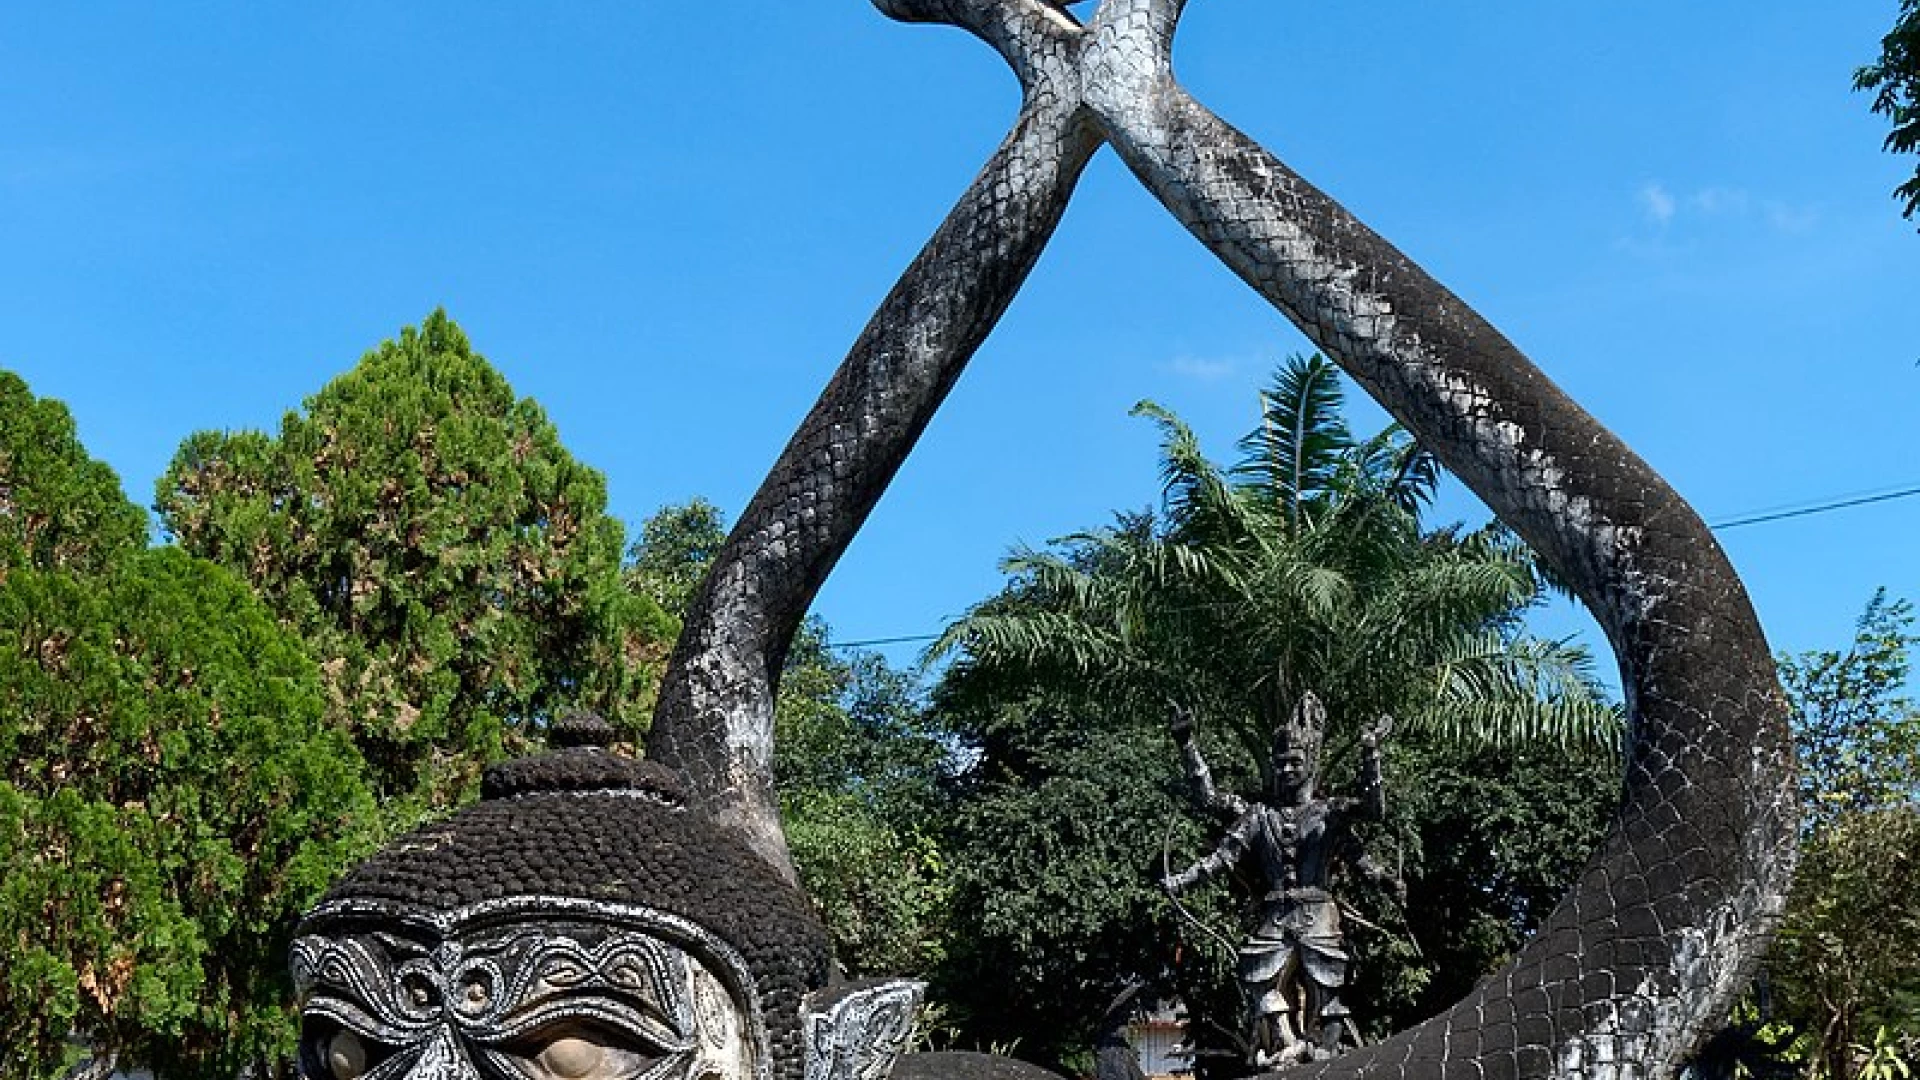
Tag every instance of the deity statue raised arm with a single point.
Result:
(1293, 964)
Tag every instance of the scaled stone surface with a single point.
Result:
(1628, 976)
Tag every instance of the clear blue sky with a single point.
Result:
(667, 221)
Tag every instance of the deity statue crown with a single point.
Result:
(1302, 732)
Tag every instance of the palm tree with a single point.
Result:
(1303, 568)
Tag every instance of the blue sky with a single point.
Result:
(667, 222)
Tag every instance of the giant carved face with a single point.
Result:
(533, 988)
(580, 923)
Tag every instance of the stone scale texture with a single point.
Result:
(1633, 968)
(1645, 955)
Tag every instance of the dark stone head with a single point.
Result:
(1295, 765)
(579, 921)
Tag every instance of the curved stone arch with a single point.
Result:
(1646, 953)
(714, 719)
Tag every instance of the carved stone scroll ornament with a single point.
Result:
(1643, 958)
(549, 988)
(857, 1031)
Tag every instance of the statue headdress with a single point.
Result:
(1303, 731)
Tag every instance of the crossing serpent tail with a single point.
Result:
(1644, 956)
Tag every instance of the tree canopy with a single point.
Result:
(1304, 568)
(1847, 966)
(1894, 80)
(59, 508)
(170, 795)
(447, 561)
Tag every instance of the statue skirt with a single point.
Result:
(1306, 930)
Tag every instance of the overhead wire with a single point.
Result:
(1738, 521)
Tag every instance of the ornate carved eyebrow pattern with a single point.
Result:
(494, 975)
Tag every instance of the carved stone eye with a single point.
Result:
(572, 1058)
(475, 994)
(346, 1056)
(419, 989)
(587, 1051)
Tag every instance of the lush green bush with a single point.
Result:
(58, 507)
(171, 801)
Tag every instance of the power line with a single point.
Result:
(1842, 503)
(1759, 517)
(901, 640)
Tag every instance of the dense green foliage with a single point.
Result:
(446, 560)
(1847, 964)
(1857, 737)
(676, 546)
(58, 507)
(1055, 847)
(860, 777)
(170, 798)
(1847, 967)
(1894, 80)
(1491, 842)
(1305, 568)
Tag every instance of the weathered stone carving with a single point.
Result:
(1646, 953)
(1629, 973)
(1293, 964)
(855, 1032)
(581, 922)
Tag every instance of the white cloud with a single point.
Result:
(1203, 369)
(1790, 219)
(1721, 200)
(1728, 204)
(1658, 203)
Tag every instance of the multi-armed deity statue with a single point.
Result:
(1293, 964)
(596, 918)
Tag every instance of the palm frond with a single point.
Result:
(1293, 457)
(1200, 502)
(1499, 692)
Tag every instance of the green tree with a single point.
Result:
(1857, 735)
(858, 770)
(1848, 960)
(1894, 80)
(451, 566)
(676, 546)
(1058, 836)
(171, 801)
(1306, 568)
(1490, 843)
(58, 506)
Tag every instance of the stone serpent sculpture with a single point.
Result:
(1645, 955)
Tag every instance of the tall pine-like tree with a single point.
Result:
(448, 562)
(170, 797)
